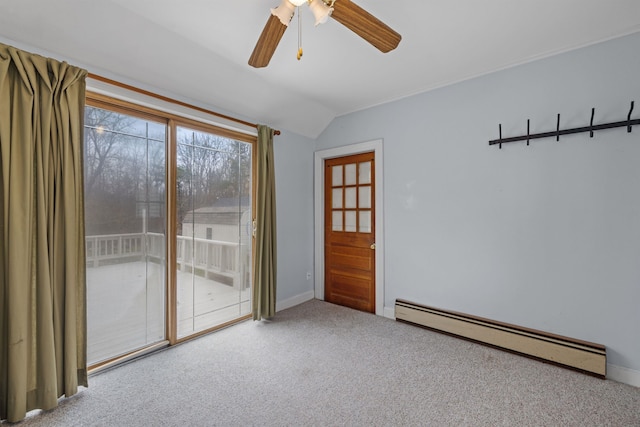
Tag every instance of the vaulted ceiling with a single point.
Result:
(197, 50)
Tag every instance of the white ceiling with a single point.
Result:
(197, 50)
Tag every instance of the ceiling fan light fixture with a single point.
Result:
(284, 12)
(320, 11)
(345, 12)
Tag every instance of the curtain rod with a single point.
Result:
(172, 101)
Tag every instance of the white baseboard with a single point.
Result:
(390, 313)
(615, 373)
(293, 301)
(623, 375)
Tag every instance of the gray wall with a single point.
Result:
(545, 236)
(294, 212)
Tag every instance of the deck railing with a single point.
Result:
(114, 248)
(213, 259)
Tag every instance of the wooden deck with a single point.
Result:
(125, 307)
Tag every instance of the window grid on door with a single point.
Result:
(351, 197)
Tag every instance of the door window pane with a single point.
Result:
(349, 174)
(350, 221)
(364, 200)
(336, 175)
(364, 176)
(350, 201)
(125, 193)
(336, 198)
(365, 222)
(336, 224)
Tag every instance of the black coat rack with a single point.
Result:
(591, 128)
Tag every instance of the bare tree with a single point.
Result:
(210, 167)
(103, 131)
(124, 169)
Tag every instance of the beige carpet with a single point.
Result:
(318, 364)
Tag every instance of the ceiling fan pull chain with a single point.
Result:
(299, 34)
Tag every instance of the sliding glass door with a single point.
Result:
(213, 214)
(137, 160)
(125, 221)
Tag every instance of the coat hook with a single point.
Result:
(593, 110)
(500, 131)
(527, 131)
(629, 117)
(558, 129)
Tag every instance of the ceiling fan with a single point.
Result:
(349, 14)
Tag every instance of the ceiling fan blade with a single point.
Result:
(367, 26)
(267, 42)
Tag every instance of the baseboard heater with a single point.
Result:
(579, 355)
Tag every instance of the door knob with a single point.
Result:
(373, 246)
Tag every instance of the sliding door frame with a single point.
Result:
(172, 121)
(172, 296)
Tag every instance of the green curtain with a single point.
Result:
(264, 277)
(42, 259)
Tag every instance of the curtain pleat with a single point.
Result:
(42, 258)
(264, 283)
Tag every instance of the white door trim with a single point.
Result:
(318, 190)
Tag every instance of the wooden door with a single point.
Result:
(350, 232)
